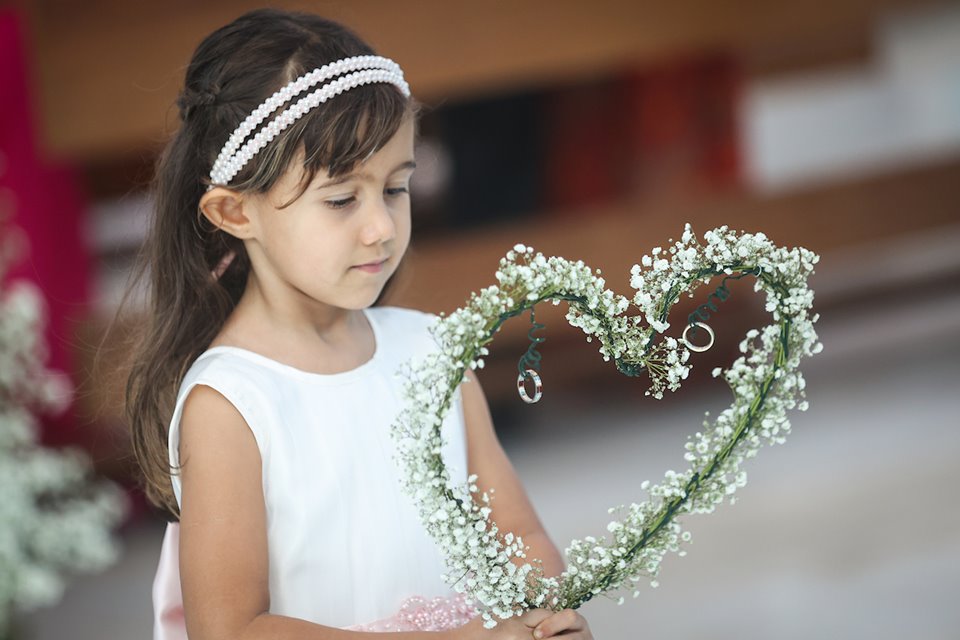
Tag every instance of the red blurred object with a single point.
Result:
(679, 122)
(583, 146)
(667, 128)
(45, 199)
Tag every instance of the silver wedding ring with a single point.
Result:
(694, 347)
(537, 383)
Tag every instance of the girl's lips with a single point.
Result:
(372, 267)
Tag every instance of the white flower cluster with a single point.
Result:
(765, 382)
(53, 518)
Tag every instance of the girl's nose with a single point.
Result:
(379, 225)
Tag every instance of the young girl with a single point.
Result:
(264, 387)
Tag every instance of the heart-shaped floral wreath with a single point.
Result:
(765, 382)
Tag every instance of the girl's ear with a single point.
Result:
(228, 210)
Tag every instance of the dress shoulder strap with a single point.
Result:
(240, 382)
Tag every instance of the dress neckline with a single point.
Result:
(310, 375)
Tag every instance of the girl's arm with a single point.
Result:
(223, 540)
(510, 507)
(512, 511)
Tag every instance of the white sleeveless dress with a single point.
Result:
(346, 545)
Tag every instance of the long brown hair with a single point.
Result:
(232, 71)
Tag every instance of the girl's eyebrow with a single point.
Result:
(366, 177)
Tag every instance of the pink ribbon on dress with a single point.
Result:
(168, 621)
(417, 613)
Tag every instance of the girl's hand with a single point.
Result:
(565, 623)
(513, 628)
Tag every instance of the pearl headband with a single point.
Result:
(363, 70)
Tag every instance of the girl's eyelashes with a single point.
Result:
(340, 204)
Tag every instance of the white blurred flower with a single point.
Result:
(55, 519)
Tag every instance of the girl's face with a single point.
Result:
(313, 251)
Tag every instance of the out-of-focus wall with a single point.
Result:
(845, 139)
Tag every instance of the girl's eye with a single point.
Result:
(340, 204)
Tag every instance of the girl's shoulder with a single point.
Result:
(224, 362)
(235, 373)
(399, 333)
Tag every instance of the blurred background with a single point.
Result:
(591, 131)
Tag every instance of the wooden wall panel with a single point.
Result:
(107, 71)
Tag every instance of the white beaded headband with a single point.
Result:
(364, 70)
